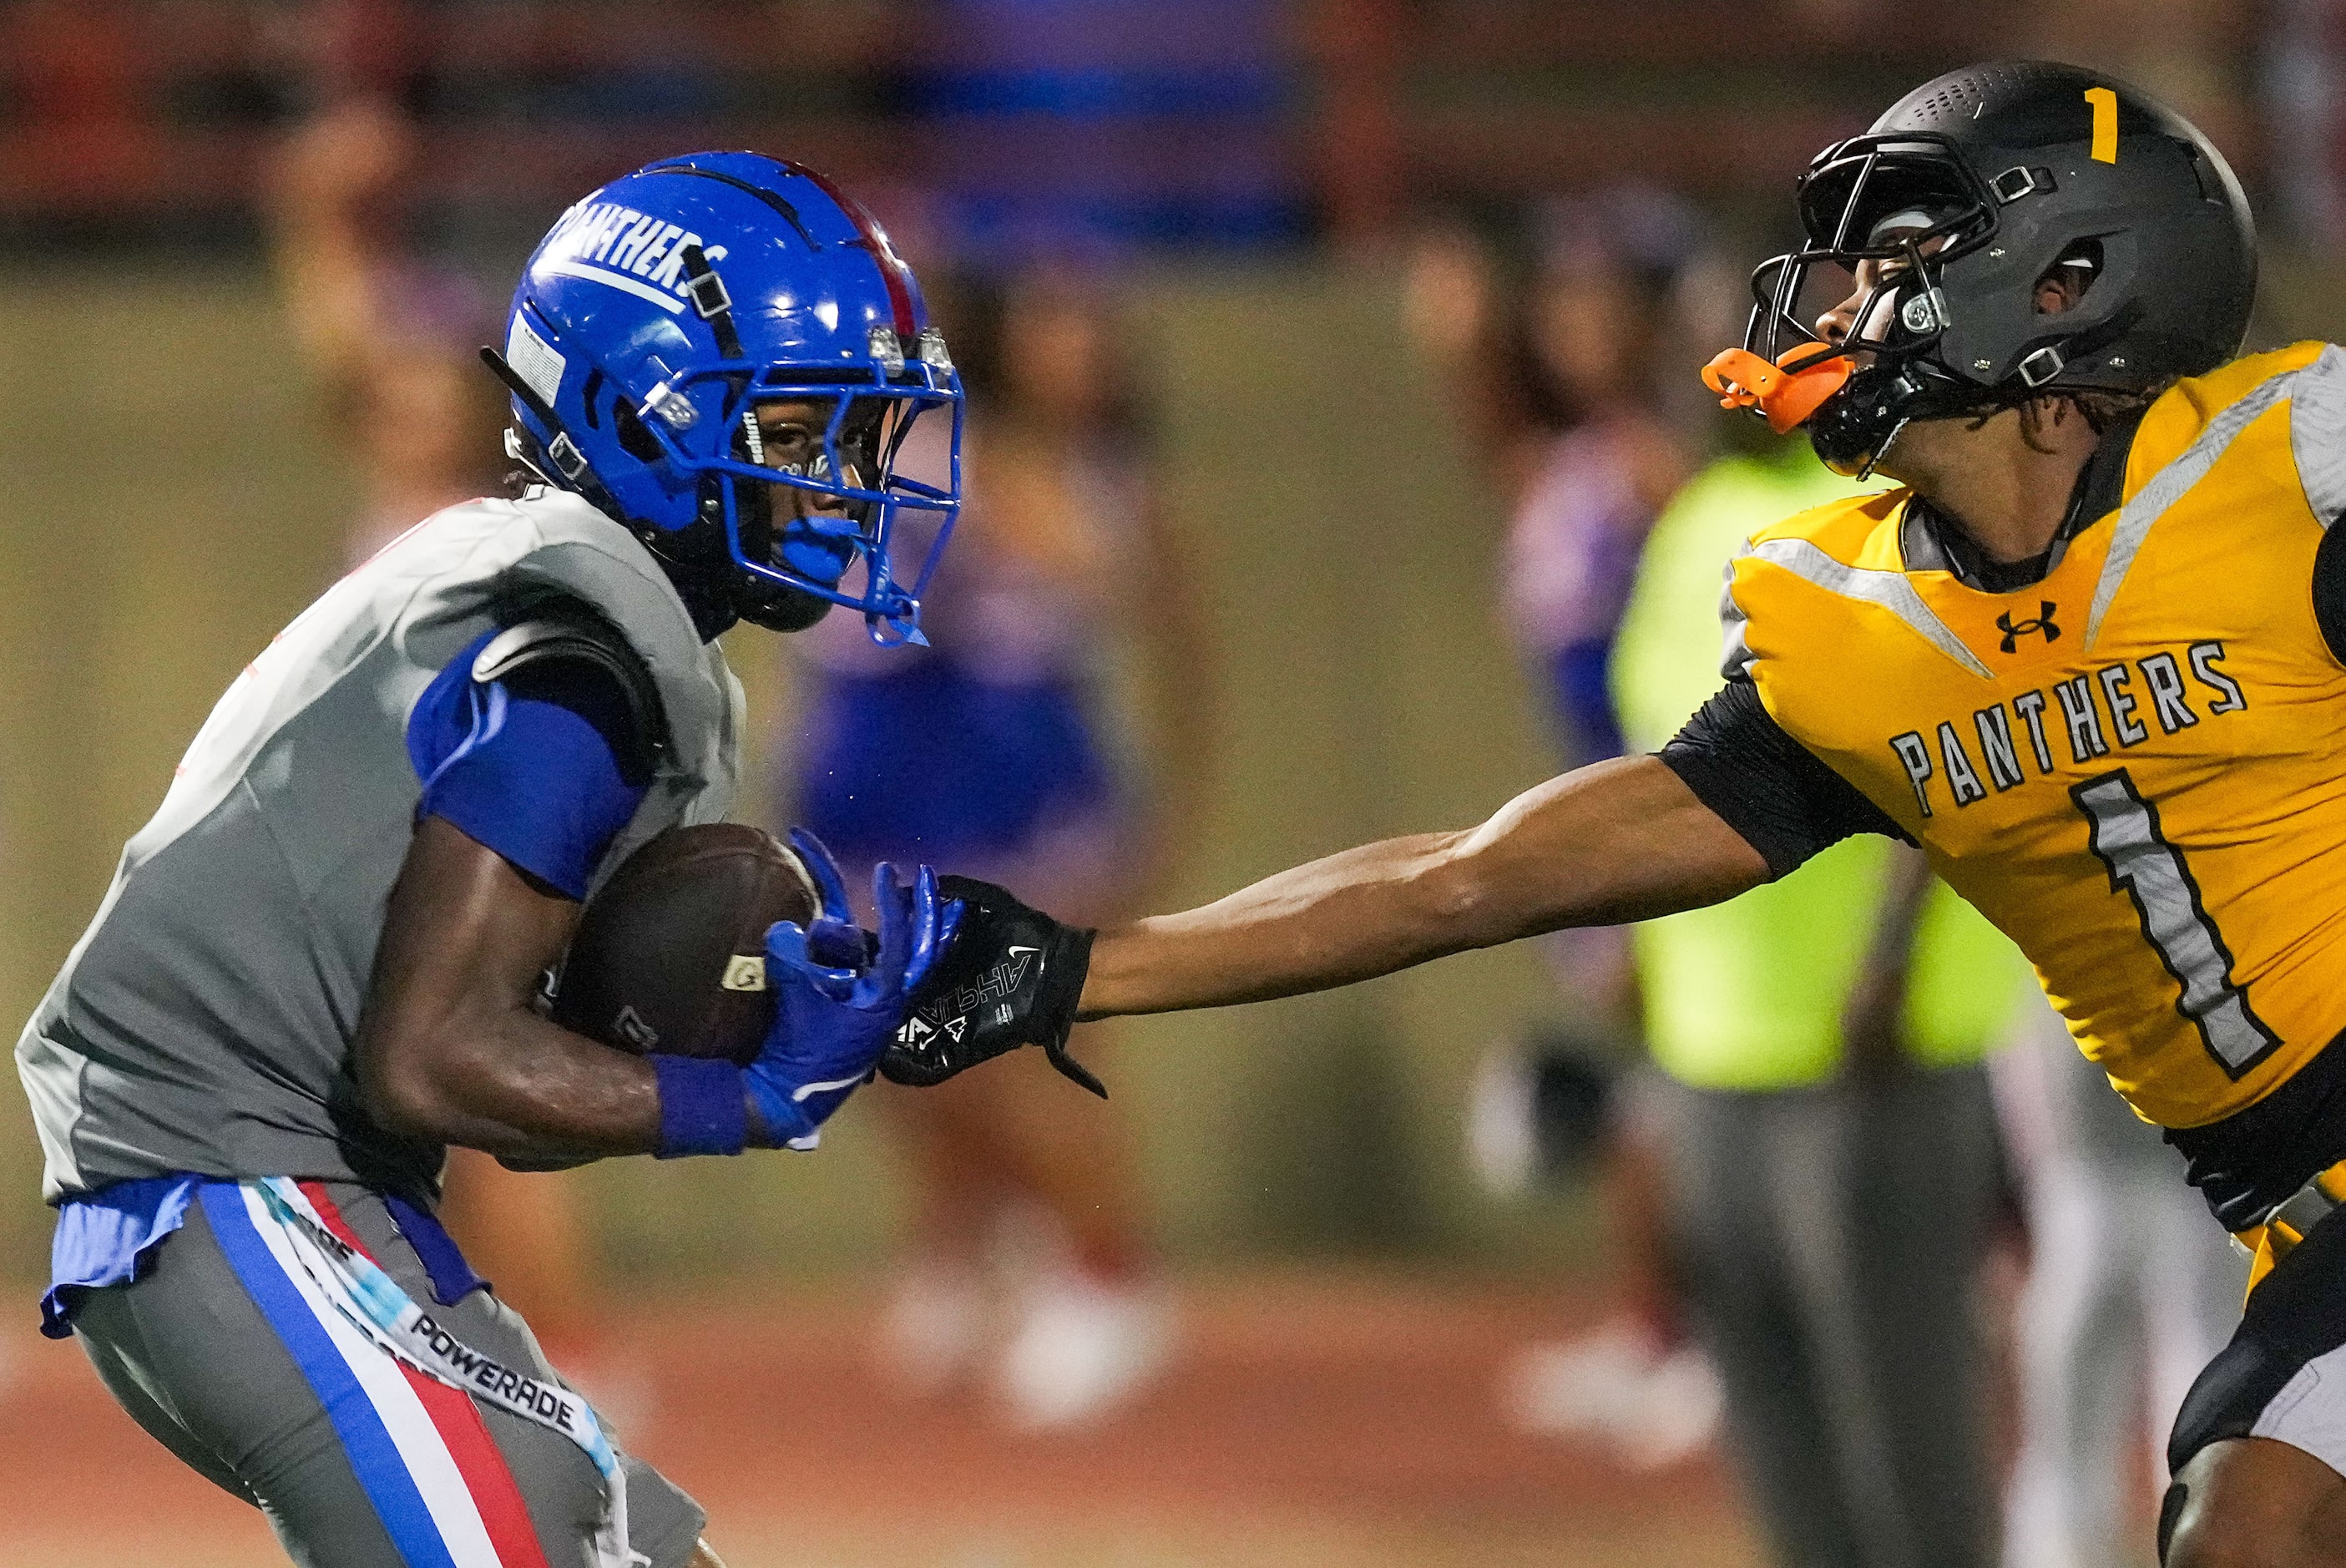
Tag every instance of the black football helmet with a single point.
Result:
(1971, 190)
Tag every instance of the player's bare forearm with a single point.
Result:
(449, 1047)
(540, 1096)
(1621, 841)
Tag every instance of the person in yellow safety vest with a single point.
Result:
(1825, 1133)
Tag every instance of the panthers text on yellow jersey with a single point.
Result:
(2136, 766)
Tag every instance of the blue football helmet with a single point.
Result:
(658, 315)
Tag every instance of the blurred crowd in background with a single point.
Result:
(1861, 1214)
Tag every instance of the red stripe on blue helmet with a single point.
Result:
(894, 276)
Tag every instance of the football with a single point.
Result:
(671, 953)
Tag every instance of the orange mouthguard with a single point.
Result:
(1786, 392)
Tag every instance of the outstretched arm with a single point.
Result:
(1621, 841)
(1731, 801)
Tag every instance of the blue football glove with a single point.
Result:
(840, 995)
(833, 939)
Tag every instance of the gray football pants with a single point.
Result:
(1829, 1240)
(212, 1357)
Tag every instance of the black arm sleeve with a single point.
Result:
(1766, 785)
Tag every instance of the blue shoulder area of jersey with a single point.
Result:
(105, 1237)
(528, 767)
(533, 774)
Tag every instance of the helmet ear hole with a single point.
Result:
(2067, 280)
(634, 440)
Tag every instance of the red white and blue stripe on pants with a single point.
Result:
(419, 1447)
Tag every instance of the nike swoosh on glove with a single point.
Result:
(1012, 977)
(834, 1015)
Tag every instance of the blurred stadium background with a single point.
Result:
(1255, 175)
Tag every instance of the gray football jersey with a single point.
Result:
(204, 1021)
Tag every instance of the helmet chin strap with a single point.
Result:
(782, 609)
(535, 457)
(1854, 429)
(520, 451)
(1874, 461)
(1982, 411)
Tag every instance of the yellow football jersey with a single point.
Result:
(2136, 766)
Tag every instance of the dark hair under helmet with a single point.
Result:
(1968, 192)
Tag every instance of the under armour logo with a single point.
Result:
(2041, 622)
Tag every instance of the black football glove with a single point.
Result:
(1011, 978)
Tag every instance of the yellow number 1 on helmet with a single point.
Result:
(2105, 124)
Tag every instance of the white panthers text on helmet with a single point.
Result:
(605, 242)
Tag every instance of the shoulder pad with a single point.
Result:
(558, 631)
(1842, 527)
(2181, 413)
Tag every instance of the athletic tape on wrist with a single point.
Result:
(702, 1111)
(374, 1304)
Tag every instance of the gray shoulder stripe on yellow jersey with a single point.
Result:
(2170, 483)
(1890, 590)
(1735, 655)
(2317, 433)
